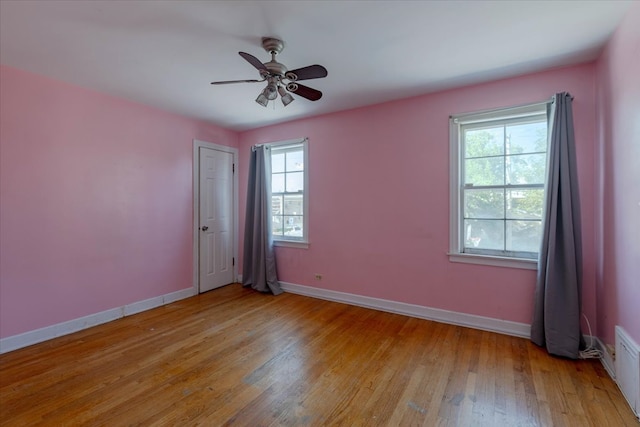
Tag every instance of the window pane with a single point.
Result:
(526, 168)
(288, 181)
(527, 138)
(277, 228)
(277, 162)
(295, 182)
(484, 234)
(524, 236)
(293, 226)
(295, 161)
(484, 142)
(525, 203)
(293, 205)
(277, 183)
(484, 203)
(484, 171)
(276, 205)
(277, 221)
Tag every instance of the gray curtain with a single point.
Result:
(259, 261)
(556, 317)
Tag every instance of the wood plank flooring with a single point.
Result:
(236, 357)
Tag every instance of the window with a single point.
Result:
(289, 197)
(498, 164)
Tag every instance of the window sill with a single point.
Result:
(527, 264)
(291, 244)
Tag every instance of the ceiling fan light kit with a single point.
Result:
(285, 96)
(262, 100)
(280, 80)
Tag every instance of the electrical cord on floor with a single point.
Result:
(591, 352)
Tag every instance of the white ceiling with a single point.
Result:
(165, 53)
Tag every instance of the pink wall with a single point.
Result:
(96, 201)
(618, 278)
(96, 205)
(379, 199)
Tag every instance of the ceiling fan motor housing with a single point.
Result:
(276, 68)
(272, 46)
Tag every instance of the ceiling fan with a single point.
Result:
(279, 79)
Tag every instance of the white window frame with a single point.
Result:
(296, 242)
(456, 246)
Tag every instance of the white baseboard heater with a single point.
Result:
(628, 368)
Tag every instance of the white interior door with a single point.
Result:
(216, 219)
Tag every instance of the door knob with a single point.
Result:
(205, 228)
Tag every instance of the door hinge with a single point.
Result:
(233, 261)
(233, 168)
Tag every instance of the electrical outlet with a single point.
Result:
(612, 351)
(318, 276)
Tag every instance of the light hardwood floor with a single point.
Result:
(236, 357)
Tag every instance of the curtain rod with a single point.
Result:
(549, 101)
(254, 147)
(286, 142)
(567, 94)
(495, 110)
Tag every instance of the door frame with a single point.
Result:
(196, 207)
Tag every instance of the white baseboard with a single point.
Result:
(43, 334)
(451, 317)
(178, 295)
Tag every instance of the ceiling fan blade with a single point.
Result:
(310, 72)
(226, 82)
(307, 92)
(253, 61)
